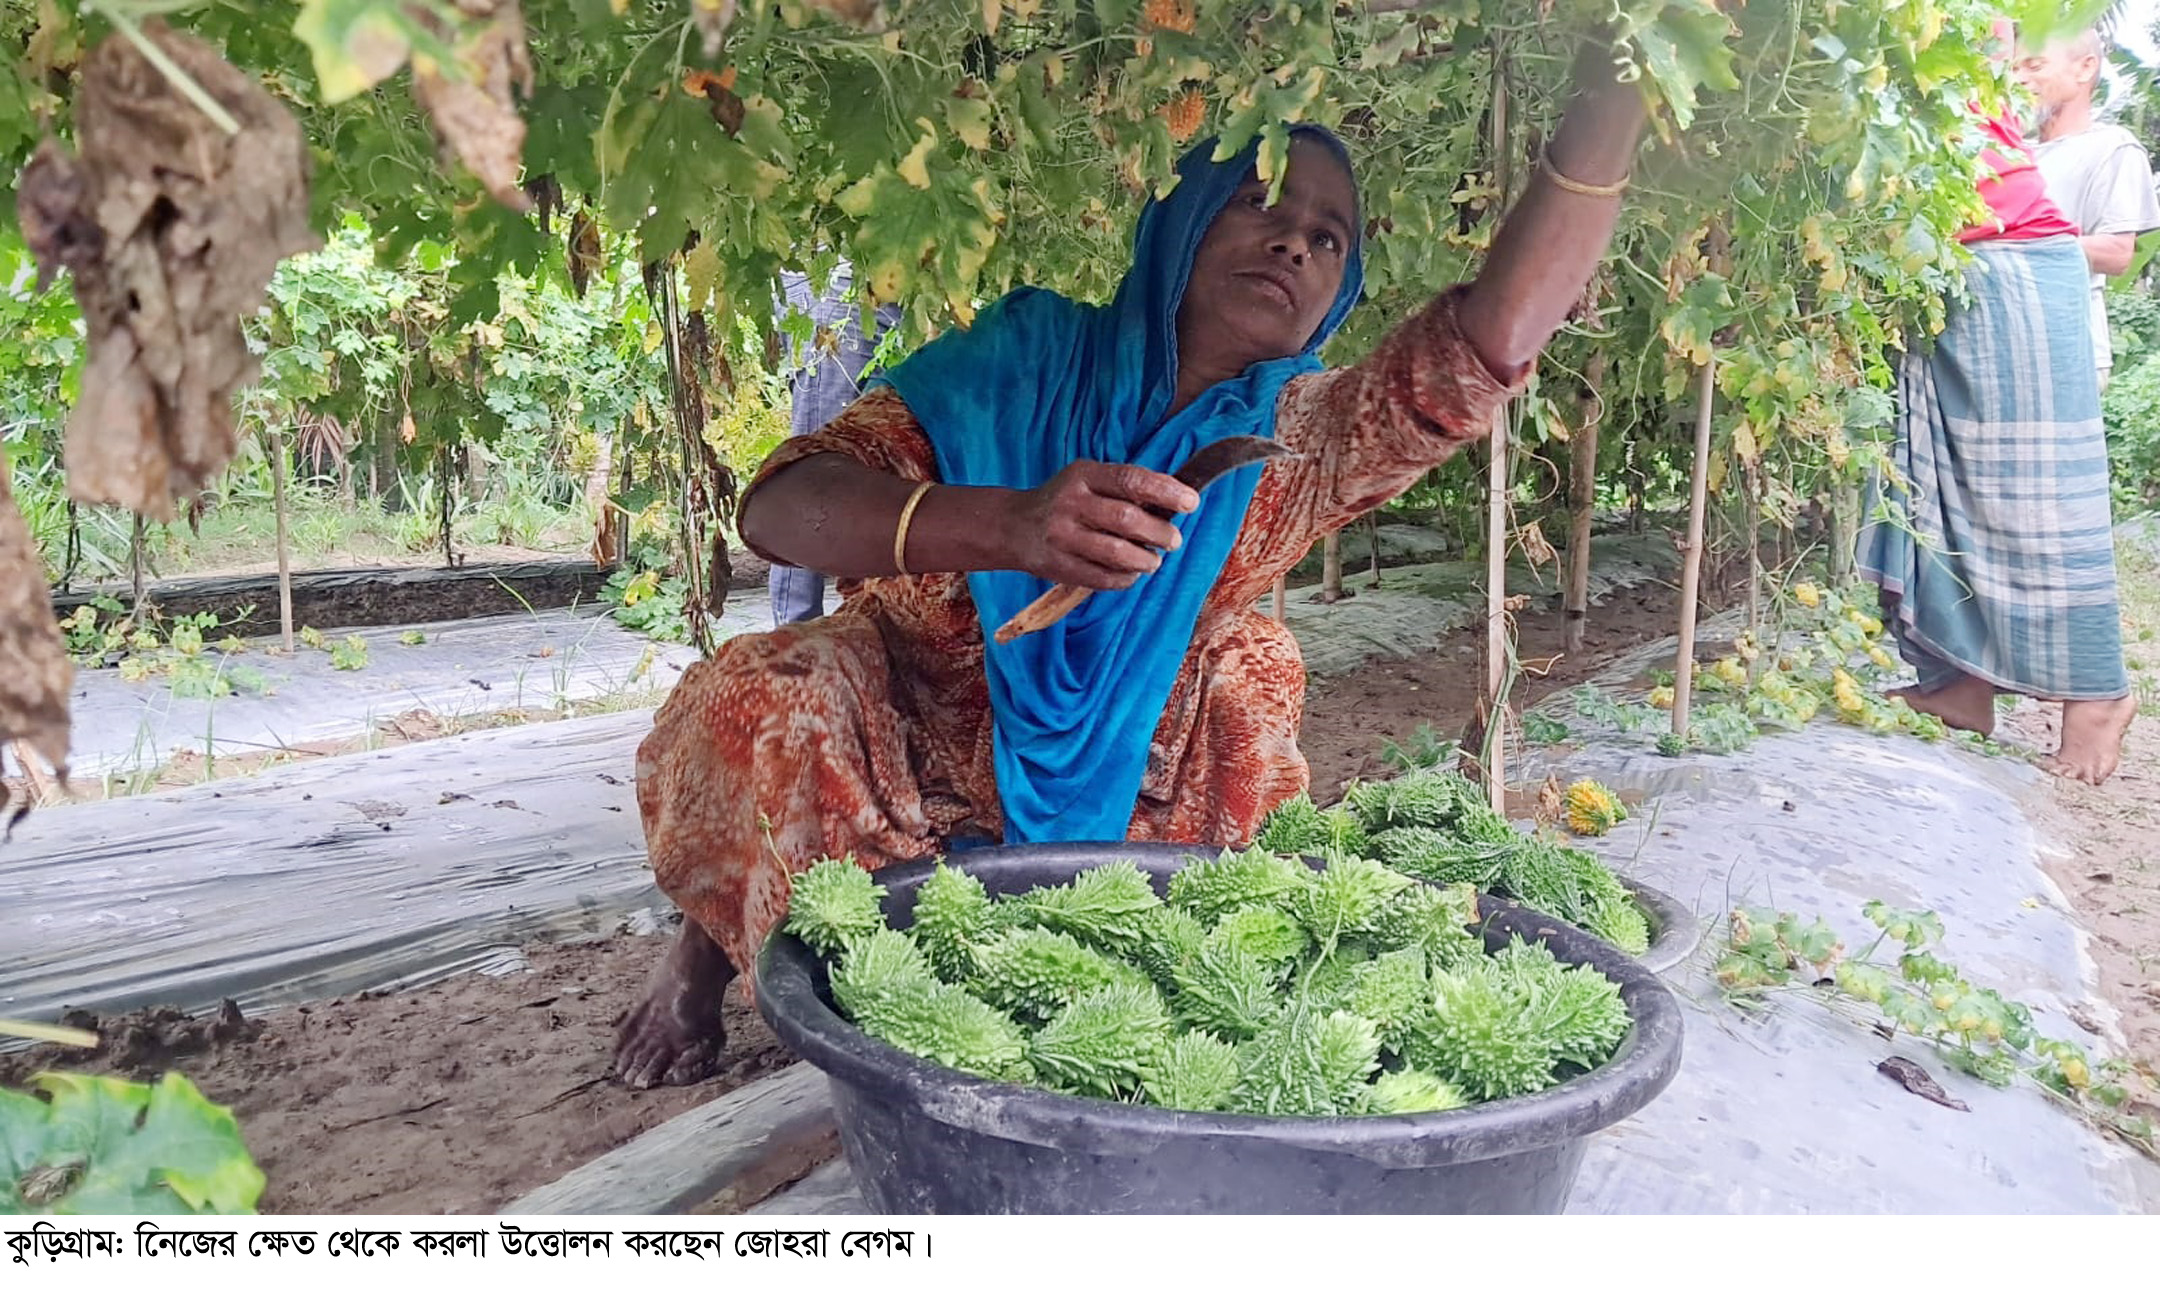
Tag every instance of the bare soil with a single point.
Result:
(1350, 719)
(452, 1099)
(2109, 869)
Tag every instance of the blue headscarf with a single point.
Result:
(1040, 382)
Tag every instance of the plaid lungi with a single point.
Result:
(1991, 537)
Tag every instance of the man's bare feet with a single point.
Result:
(675, 1034)
(1967, 703)
(2092, 739)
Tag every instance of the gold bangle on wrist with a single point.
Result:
(1576, 186)
(907, 515)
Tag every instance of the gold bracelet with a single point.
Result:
(899, 537)
(1576, 186)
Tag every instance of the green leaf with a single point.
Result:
(130, 1148)
(1685, 50)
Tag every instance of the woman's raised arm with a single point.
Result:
(1551, 242)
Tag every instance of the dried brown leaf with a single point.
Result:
(171, 228)
(475, 118)
(1531, 537)
(34, 668)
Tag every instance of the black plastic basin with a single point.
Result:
(1675, 931)
(924, 1139)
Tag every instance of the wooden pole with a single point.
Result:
(1582, 503)
(446, 510)
(1372, 530)
(284, 529)
(1751, 533)
(1496, 477)
(135, 559)
(1844, 531)
(1331, 568)
(1691, 553)
(1282, 591)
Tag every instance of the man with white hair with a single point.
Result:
(2097, 172)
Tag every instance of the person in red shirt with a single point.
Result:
(2016, 192)
(1989, 534)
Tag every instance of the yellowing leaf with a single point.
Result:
(885, 280)
(1743, 443)
(355, 43)
(970, 120)
(701, 269)
(992, 11)
(856, 199)
(915, 167)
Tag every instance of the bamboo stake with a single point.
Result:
(1582, 497)
(284, 544)
(442, 457)
(1496, 613)
(1496, 652)
(1691, 553)
(1751, 531)
(135, 558)
(1844, 530)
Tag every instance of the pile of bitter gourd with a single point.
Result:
(1437, 826)
(1258, 986)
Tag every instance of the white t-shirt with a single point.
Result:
(2102, 180)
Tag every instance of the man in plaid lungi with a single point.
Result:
(1990, 534)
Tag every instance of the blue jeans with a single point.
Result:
(798, 595)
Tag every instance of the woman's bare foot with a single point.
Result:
(2092, 739)
(1967, 703)
(675, 1034)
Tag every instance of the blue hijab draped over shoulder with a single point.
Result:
(1040, 382)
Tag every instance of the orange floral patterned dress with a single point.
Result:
(868, 732)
